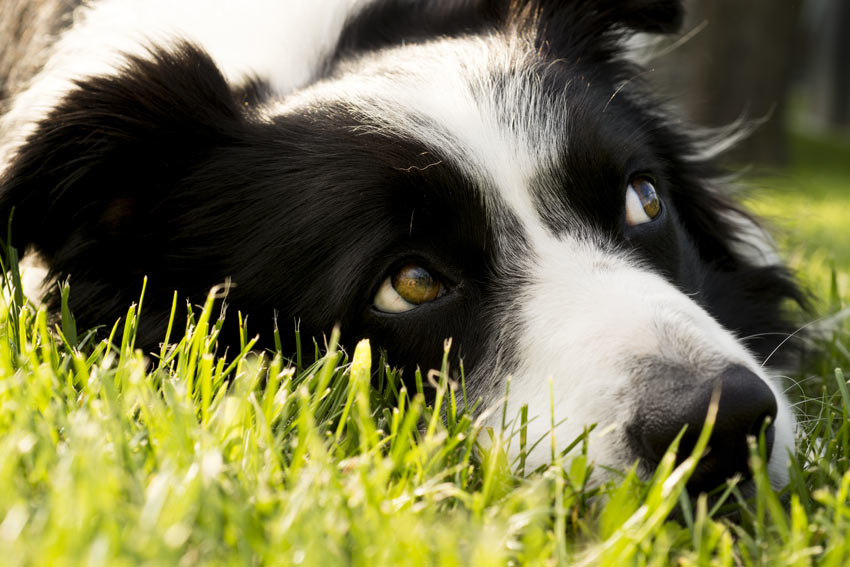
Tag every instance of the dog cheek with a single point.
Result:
(597, 328)
(572, 341)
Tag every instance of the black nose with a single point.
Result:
(746, 402)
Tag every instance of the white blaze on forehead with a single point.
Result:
(475, 101)
(586, 313)
(583, 315)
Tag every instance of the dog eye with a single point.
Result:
(642, 202)
(410, 286)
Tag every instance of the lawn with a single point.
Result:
(809, 207)
(189, 458)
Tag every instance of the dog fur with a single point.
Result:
(306, 151)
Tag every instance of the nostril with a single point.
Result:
(745, 406)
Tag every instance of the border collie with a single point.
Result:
(494, 171)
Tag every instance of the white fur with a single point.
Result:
(282, 41)
(586, 318)
(754, 243)
(445, 100)
(587, 312)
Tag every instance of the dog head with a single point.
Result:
(494, 172)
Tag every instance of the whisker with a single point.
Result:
(789, 337)
(798, 384)
(696, 30)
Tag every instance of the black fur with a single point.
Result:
(163, 170)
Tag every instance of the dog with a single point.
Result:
(497, 172)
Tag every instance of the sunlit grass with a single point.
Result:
(809, 210)
(111, 457)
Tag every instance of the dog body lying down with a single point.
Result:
(488, 170)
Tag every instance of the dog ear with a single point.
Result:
(650, 16)
(573, 22)
(389, 22)
(86, 180)
(93, 188)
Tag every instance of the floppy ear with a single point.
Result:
(573, 27)
(87, 179)
(651, 16)
(93, 188)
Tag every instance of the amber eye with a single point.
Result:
(642, 202)
(410, 286)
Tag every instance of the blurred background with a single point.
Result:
(783, 62)
(785, 66)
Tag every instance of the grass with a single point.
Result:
(810, 206)
(189, 458)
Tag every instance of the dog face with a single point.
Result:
(494, 173)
